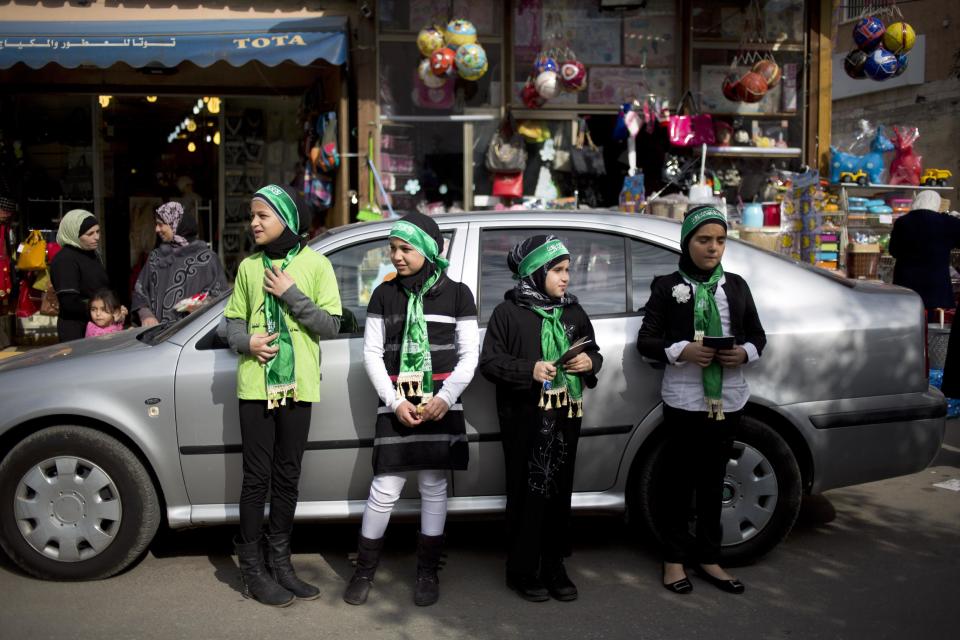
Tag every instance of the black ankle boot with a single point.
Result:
(280, 567)
(368, 557)
(427, 589)
(257, 583)
(558, 583)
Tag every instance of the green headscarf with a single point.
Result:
(416, 366)
(68, 233)
(280, 371)
(706, 315)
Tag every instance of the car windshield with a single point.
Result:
(160, 332)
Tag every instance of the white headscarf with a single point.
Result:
(927, 199)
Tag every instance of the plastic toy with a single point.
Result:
(901, 64)
(859, 177)
(752, 87)
(880, 209)
(905, 167)
(871, 162)
(769, 71)
(442, 62)
(935, 177)
(573, 75)
(429, 40)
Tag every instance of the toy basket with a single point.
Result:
(863, 261)
(937, 339)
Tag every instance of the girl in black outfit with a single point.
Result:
(703, 391)
(540, 408)
(77, 273)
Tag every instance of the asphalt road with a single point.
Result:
(880, 560)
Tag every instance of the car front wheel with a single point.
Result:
(75, 504)
(761, 493)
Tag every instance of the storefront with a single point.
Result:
(433, 133)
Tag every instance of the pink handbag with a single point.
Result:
(693, 128)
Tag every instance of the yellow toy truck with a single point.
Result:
(857, 177)
(935, 177)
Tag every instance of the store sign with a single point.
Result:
(270, 41)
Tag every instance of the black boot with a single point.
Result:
(427, 589)
(257, 583)
(278, 563)
(368, 557)
(558, 583)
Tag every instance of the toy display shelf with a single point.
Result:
(755, 152)
(886, 187)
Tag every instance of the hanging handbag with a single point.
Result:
(26, 306)
(507, 152)
(690, 129)
(33, 253)
(49, 303)
(508, 185)
(587, 161)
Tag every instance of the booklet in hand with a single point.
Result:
(575, 349)
(718, 342)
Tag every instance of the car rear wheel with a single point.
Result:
(75, 504)
(761, 493)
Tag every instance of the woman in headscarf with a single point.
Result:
(540, 407)
(76, 272)
(180, 267)
(703, 391)
(284, 301)
(420, 346)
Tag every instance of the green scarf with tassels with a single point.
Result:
(415, 378)
(280, 370)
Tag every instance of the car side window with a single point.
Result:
(597, 268)
(647, 262)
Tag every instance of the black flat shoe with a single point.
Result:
(558, 583)
(530, 589)
(681, 586)
(730, 586)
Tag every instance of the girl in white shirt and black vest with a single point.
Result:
(704, 391)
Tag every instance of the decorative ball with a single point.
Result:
(425, 71)
(731, 87)
(573, 75)
(548, 84)
(868, 33)
(899, 38)
(545, 63)
(901, 64)
(770, 71)
(471, 61)
(459, 33)
(854, 62)
(881, 64)
(429, 40)
(531, 99)
(442, 61)
(752, 87)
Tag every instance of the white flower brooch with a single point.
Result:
(681, 293)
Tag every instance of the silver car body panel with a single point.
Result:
(843, 369)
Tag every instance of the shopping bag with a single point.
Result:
(26, 306)
(49, 304)
(587, 161)
(692, 128)
(33, 255)
(507, 152)
(508, 185)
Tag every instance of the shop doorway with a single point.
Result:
(155, 149)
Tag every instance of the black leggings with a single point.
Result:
(695, 463)
(273, 444)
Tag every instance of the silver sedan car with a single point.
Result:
(102, 440)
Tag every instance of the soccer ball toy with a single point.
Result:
(899, 38)
(881, 64)
(731, 87)
(425, 72)
(460, 32)
(471, 61)
(901, 64)
(853, 64)
(752, 87)
(548, 84)
(442, 62)
(546, 63)
(429, 40)
(531, 99)
(573, 75)
(868, 33)
(769, 70)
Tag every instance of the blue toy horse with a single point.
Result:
(871, 163)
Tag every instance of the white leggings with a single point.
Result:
(384, 492)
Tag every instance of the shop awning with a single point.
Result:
(167, 43)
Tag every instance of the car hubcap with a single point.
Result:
(750, 493)
(67, 508)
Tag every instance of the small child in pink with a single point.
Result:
(106, 314)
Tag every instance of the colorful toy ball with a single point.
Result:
(442, 61)
(868, 33)
(901, 64)
(429, 40)
(899, 38)
(881, 64)
(731, 87)
(460, 32)
(531, 99)
(546, 63)
(471, 61)
(853, 64)
(770, 71)
(425, 71)
(548, 84)
(573, 75)
(752, 87)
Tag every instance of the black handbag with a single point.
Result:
(587, 161)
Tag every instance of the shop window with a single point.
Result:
(422, 165)
(597, 269)
(412, 15)
(647, 262)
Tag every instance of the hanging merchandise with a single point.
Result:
(471, 62)
(371, 211)
(848, 167)
(26, 304)
(587, 161)
(764, 72)
(508, 185)
(689, 127)
(555, 71)
(507, 152)
(33, 253)
(460, 32)
(881, 49)
(429, 40)
(324, 154)
(448, 52)
(905, 168)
